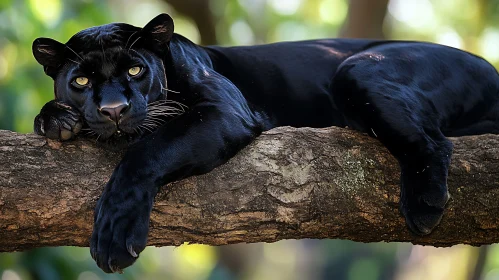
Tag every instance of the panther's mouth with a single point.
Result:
(133, 128)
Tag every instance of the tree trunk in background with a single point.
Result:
(200, 12)
(481, 259)
(365, 19)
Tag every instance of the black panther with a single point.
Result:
(183, 109)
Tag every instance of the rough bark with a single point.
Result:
(289, 184)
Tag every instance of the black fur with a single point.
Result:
(409, 95)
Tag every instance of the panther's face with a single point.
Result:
(111, 74)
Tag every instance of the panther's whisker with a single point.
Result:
(137, 130)
(87, 132)
(165, 106)
(153, 125)
(163, 117)
(156, 109)
(154, 122)
(74, 52)
(129, 39)
(155, 117)
(159, 112)
(149, 128)
(167, 89)
(146, 128)
(163, 114)
(166, 80)
(167, 111)
(73, 61)
(102, 46)
(159, 109)
(162, 103)
(148, 123)
(168, 101)
(134, 42)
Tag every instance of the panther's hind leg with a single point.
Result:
(406, 127)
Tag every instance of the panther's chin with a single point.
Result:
(115, 131)
(119, 140)
(113, 137)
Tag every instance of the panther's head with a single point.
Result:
(114, 74)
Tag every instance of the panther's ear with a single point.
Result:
(158, 32)
(48, 52)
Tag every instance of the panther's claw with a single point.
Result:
(131, 251)
(114, 268)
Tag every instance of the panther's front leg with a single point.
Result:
(194, 143)
(121, 221)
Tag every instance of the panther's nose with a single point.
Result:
(115, 111)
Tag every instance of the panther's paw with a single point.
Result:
(120, 228)
(423, 212)
(58, 121)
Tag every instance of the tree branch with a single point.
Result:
(290, 183)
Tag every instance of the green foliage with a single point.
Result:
(24, 88)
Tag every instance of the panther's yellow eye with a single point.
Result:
(82, 81)
(134, 71)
